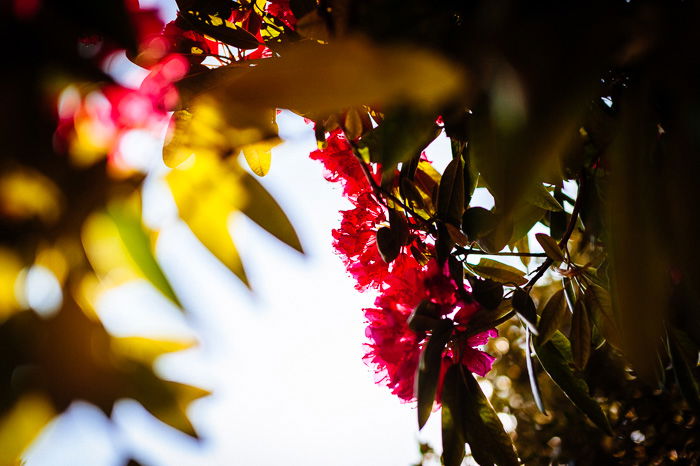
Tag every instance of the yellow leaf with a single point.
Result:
(259, 155)
(10, 268)
(22, 424)
(26, 193)
(147, 350)
(206, 191)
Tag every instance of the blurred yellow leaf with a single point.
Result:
(147, 350)
(210, 126)
(207, 190)
(126, 216)
(26, 193)
(10, 268)
(309, 77)
(106, 252)
(22, 424)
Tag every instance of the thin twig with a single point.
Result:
(462, 250)
(564, 240)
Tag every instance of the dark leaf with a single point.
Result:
(470, 411)
(556, 358)
(683, 370)
(264, 210)
(487, 292)
(402, 136)
(399, 226)
(425, 317)
(525, 308)
(580, 335)
(450, 200)
(429, 369)
(534, 386)
(301, 7)
(388, 244)
(478, 222)
(552, 316)
(453, 429)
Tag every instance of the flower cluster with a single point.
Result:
(402, 285)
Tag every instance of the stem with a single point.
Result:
(564, 240)
(462, 250)
(379, 191)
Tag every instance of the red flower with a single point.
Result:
(281, 10)
(342, 166)
(393, 348)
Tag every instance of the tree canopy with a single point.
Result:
(580, 119)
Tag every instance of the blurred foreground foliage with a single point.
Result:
(581, 118)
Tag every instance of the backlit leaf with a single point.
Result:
(497, 271)
(532, 376)
(259, 156)
(541, 197)
(552, 316)
(315, 78)
(127, 219)
(580, 335)
(555, 356)
(551, 248)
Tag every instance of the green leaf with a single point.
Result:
(429, 369)
(526, 310)
(471, 413)
(534, 385)
(138, 245)
(551, 248)
(552, 317)
(555, 357)
(262, 208)
(683, 370)
(600, 305)
(499, 272)
(450, 200)
(580, 335)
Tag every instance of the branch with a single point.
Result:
(564, 240)
(462, 250)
